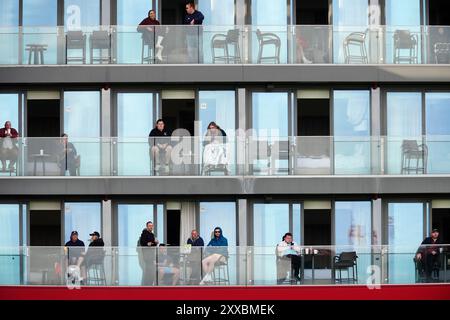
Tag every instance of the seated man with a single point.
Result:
(288, 250)
(160, 143)
(67, 156)
(149, 33)
(168, 265)
(9, 150)
(427, 256)
(93, 255)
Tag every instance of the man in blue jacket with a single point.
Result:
(193, 34)
(217, 251)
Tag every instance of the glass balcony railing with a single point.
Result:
(243, 266)
(172, 44)
(226, 156)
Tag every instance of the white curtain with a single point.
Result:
(187, 220)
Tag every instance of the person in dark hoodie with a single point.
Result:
(148, 240)
(93, 255)
(216, 251)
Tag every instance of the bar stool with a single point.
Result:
(221, 273)
(37, 50)
(96, 274)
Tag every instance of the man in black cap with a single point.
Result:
(75, 253)
(93, 254)
(427, 256)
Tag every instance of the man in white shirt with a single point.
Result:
(287, 249)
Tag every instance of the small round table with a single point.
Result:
(40, 157)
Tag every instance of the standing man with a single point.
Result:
(159, 143)
(427, 256)
(147, 241)
(193, 34)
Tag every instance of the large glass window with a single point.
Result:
(9, 22)
(270, 122)
(134, 123)
(9, 109)
(40, 29)
(437, 115)
(218, 214)
(353, 231)
(269, 17)
(348, 16)
(219, 18)
(405, 231)
(220, 107)
(351, 120)
(270, 223)
(404, 123)
(81, 13)
(84, 217)
(129, 41)
(83, 130)
(132, 219)
(403, 23)
(9, 13)
(9, 238)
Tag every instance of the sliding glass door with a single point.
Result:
(351, 124)
(135, 120)
(437, 115)
(405, 233)
(404, 129)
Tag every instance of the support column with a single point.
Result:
(241, 126)
(377, 144)
(106, 132)
(244, 261)
(107, 223)
(106, 12)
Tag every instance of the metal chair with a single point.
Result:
(268, 39)
(221, 273)
(95, 269)
(412, 151)
(222, 41)
(346, 261)
(76, 40)
(355, 41)
(404, 40)
(442, 52)
(100, 40)
(148, 56)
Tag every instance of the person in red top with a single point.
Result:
(9, 150)
(149, 33)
